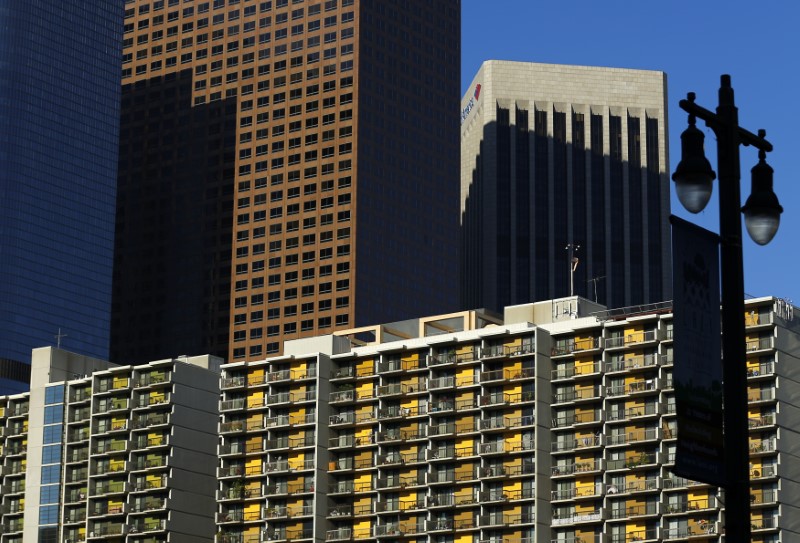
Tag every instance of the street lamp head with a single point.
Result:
(693, 177)
(762, 211)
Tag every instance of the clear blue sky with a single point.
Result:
(757, 43)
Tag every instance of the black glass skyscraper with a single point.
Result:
(59, 123)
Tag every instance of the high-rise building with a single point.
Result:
(59, 120)
(562, 162)
(103, 453)
(287, 168)
(556, 424)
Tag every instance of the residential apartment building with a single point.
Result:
(278, 166)
(560, 163)
(106, 453)
(59, 123)
(556, 424)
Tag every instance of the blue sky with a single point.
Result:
(757, 43)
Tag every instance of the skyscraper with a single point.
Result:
(287, 169)
(562, 163)
(59, 119)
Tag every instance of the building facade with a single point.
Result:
(277, 166)
(59, 122)
(105, 453)
(552, 426)
(562, 162)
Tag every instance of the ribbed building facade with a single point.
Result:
(105, 453)
(466, 429)
(277, 166)
(561, 162)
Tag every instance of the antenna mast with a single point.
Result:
(572, 262)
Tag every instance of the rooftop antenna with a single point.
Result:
(572, 262)
(594, 281)
(59, 336)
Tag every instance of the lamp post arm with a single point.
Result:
(714, 122)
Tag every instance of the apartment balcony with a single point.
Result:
(568, 445)
(765, 421)
(577, 419)
(439, 383)
(761, 371)
(237, 381)
(232, 427)
(103, 509)
(634, 413)
(636, 511)
(105, 531)
(343, 396)
(111, 428)
(148, 505)
(593, 491)
(636, 536)
(760, 525)
(760, 344)
(763, 472)
(690, 532)
(341, 487)
(232, 405)
(576, 372)
(763, 396)
(109, 488)
(18, 410)
(579, 518)
(149, 420)
(75, 517)
(15, 449)
(154, 379)
(577, 395)
(635, 363)
(504, 520)
(438, 477)
(101, 469)
(150, 526)
(147, 486)
(16, 430)
(110, 448)
(634, 436)
(76, 476)
(441, 430)
(394, 389)
(153, 400)
(494, 351)
(686, 506)
(340, 534)
(568, 348)
(577, 468)
(634, 486)
(761, 497)
(633, 388)
(74, 496)
(11, 490)
(77, 435)
(340, 511)
(761, 447)
(641, 460)
(629, 340)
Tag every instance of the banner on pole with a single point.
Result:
(697, 353)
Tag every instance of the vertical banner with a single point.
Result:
(697, 351)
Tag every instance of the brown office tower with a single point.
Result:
(287, 168)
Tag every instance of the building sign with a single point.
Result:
(697, 359)
(471, 104)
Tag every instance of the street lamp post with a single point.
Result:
(693, 178)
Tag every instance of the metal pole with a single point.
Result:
(737, 467)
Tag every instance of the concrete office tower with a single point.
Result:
(556, 156)
(550, 426)
(59, 120)
(287, 169)
(104, 453)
